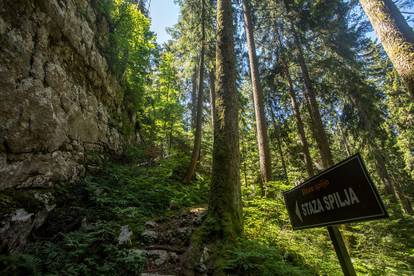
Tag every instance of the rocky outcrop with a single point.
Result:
(58, 100)
(57, 97)
(26, 211)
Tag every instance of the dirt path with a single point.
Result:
(165, 240)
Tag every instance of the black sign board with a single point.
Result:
(341, 194)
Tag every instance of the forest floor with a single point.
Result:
(134, 216)
(166, 240)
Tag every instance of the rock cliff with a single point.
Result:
(58, 100)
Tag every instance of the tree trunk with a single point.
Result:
(313, 107)
(167, 119)
(225, 196)
(344, 140)
(212, 97)
(194, 99)
(299, 122)
(326, 155)
(261, 126)
(396, 36)
(383, 173)
(324, 150)
(244, 153)
(405, 202)
(296, 111)
(170, 138)
(199, 120)
(392, 187)
(279, 144)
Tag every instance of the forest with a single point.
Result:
(247, 100)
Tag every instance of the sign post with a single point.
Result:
(341, 251)
(341, 194)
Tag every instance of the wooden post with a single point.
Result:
(341, 251)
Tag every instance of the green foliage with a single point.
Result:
(252, 258)
(163, 107)
(130, 192)
(375, 247)
(383, 247)
(128, 48)
(11, 199)
(92, 249)
(118, 193)
(134, 193)
(22, 264)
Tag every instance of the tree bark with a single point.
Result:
(396, 36)
(194, 99)
(213, 96)
(199, 119)
(225, 212)
(261, 126)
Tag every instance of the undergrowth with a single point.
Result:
(81, 234)
(271, 247)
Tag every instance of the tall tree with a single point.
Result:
(370, 123)
(278, 139)
(212, 79)
(396, 36)
(296, 110)
(299, 122)
(194, 98)
(320, 137)
(261, 125)
(225, 193)
(313, 106)
(199, 119)
(325, 152)
(162, 104)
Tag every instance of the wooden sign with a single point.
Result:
(341, 194)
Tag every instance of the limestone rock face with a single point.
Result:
(58, 98)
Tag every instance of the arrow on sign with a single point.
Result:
(298, 212)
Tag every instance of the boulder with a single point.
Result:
(17, 223)
(149, 236)
(158, 257)
(125, 235)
